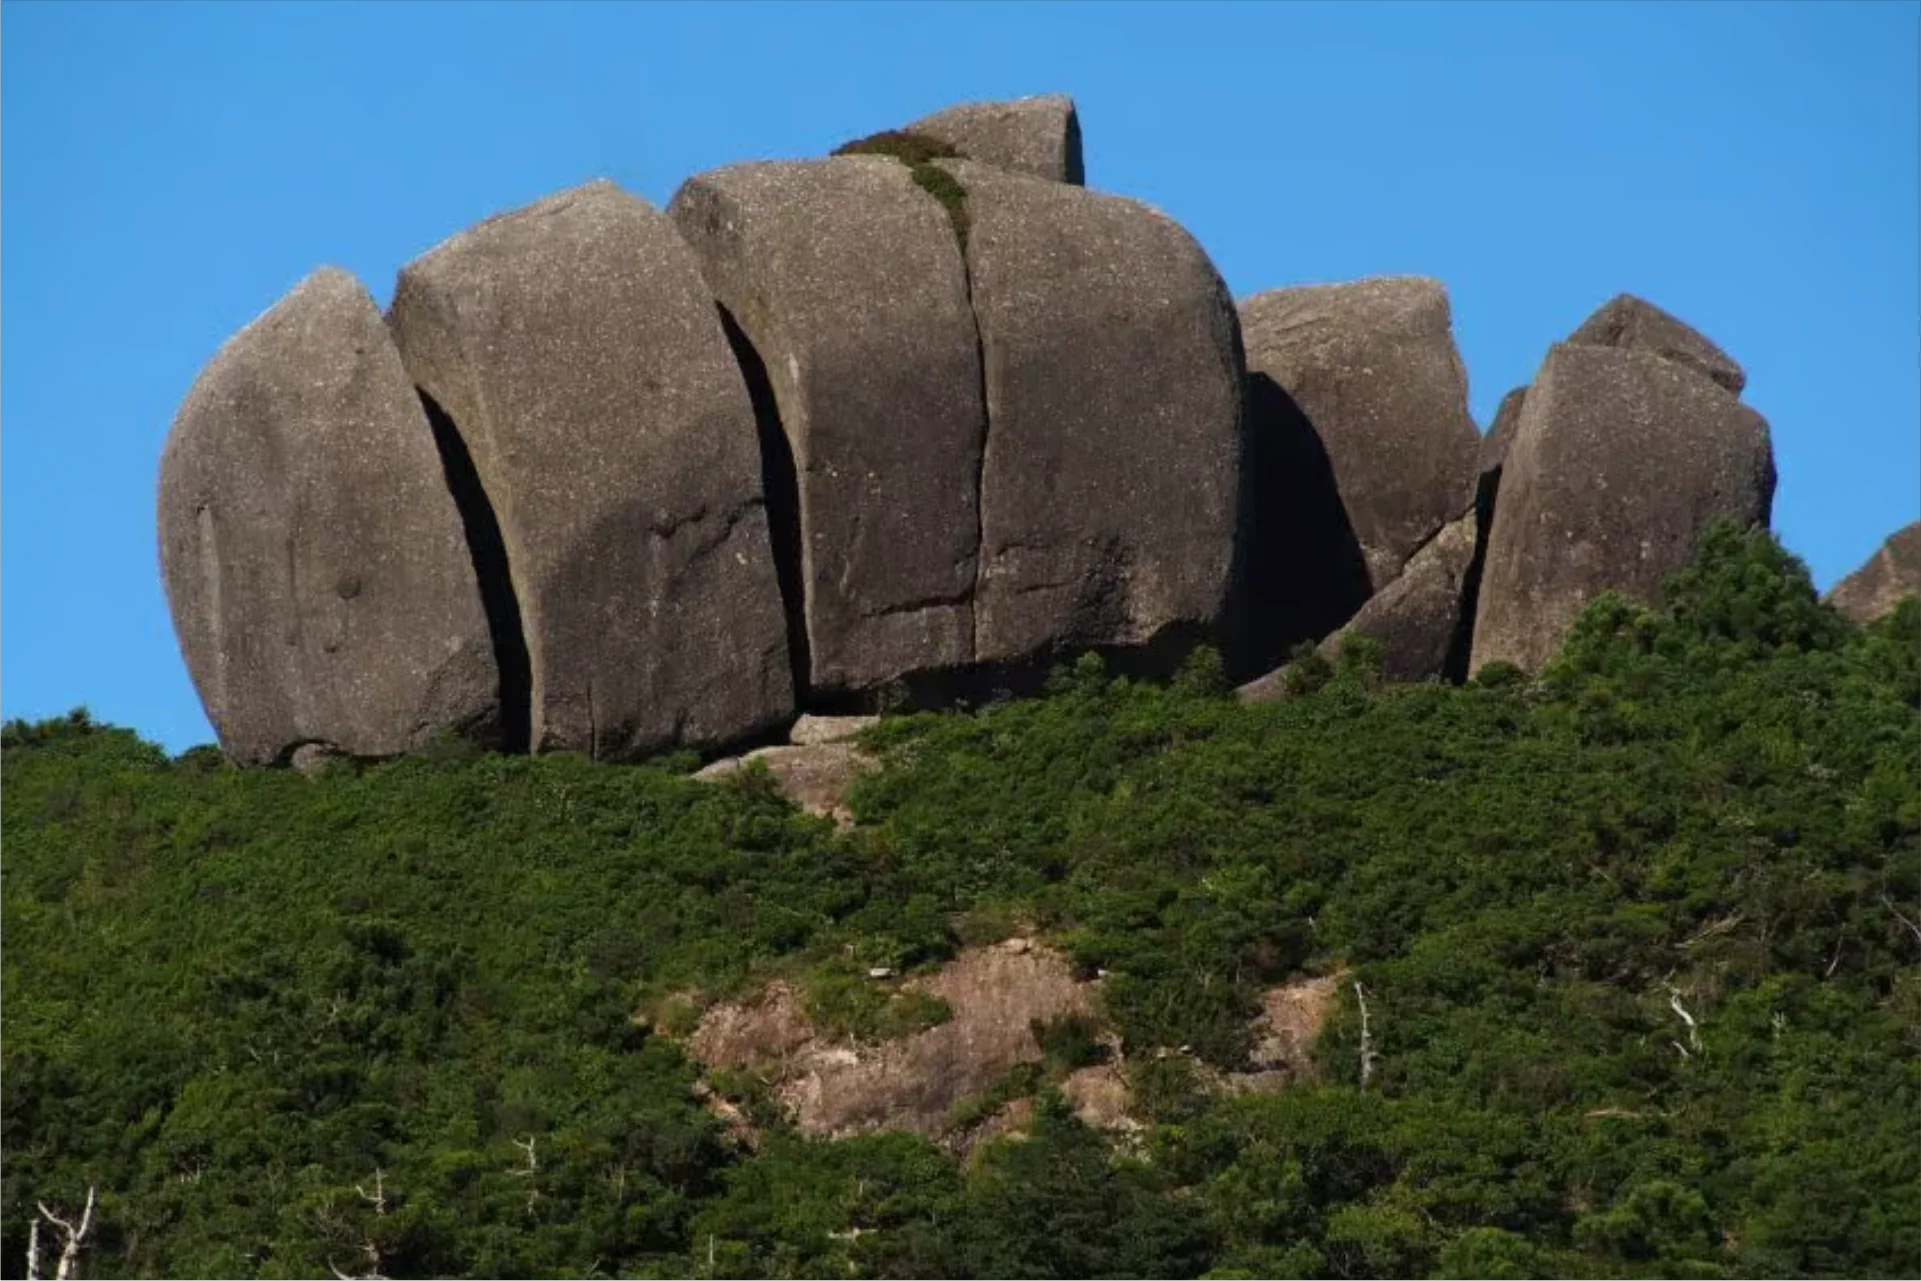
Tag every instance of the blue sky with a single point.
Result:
(170, 170)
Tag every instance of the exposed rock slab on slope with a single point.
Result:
(1620, 459)
(1894, 571)
(1038, 136)
(814, 776)
(577, 353)
(1111, 476)
(845, 280)
(313, 556)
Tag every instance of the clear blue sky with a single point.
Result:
(170, 169)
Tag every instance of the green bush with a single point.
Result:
(238, 1000)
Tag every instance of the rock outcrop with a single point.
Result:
(1110, 477)
(1417, 619)
(845, 285)
(1500, 435)
(1620, 459)
(1893, 572)
(573, 349)
(320, 584)
(1634, 324)
(1040, 136)
(1372, 368)
(903, 427)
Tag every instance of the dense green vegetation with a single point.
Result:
(278, 1020)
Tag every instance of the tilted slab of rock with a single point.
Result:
(1373, 367)
(1110, 480)
(1634, 324)
(577, 352)
(1620, 460)
(1894, 571)
(1495, 444)
(314, 561)
(846, 280)
(1416, 619)
(1039, 136)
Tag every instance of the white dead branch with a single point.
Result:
(1694, 1032)
(378, 1197)
(1367, 1040)
(373, 1272)
(1912, 927)
(69, 1265)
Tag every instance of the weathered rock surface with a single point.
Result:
(319, 582)
(1894, 571)
(1620, 459)
(1110, 479)
(1373, 369)
(810, 730)
(814, 776)
(1634, 324)
(1494, 445)
(576, 352)
(914, 1082)
(1416, 619)
(1040, 136)
(847, 288)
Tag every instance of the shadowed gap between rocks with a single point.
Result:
(983, 684)
(780, 488)
(1299, 571)
(488, 548)
(1461, 645)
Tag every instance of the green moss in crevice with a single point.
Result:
(904, 145)
(946, 188)
(919, 152)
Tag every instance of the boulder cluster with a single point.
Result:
(898, 426)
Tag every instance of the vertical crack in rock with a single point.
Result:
(488, 547)
(1461, 647)
(780, 489)
(980, 463)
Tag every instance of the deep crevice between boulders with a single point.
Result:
(1460, 647)
(780, 490)
(1299, 573)
(487, 547)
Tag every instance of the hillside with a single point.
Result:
(1637, 940)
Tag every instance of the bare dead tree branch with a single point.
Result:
(1694, 1033)
(1367, 1040)
(378, 1197)
(1912, 927)
(69, 1265)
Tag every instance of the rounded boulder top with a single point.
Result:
(576, 353)
(1040, 135)
(313, 557)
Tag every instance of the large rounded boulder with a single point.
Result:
(844, 289)
(576, 355)
(1038, 136)
(313, 557)
(1110, 482)
(1893, 572)
(1372, 368)
(1619, 460)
